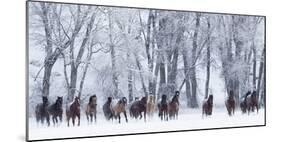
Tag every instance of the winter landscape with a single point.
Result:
(118, 70)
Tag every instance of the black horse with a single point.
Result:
(138, 107)
(163, 108)
(243, 103)
(107, 109)
(207, 107)
(41, 111)
(173, 107)
(55, 110)
(252, 102)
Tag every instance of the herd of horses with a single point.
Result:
(138, 109)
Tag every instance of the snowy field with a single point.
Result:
(188, 120)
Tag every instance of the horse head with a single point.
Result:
(231, 94)
(45, 100)
(143, 100)
(77, 100)
(124, 100)
(59, 101)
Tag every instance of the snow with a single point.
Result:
(190, 119)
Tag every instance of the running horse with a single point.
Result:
(91, 109)
(41, 111)
(163, 108)
(173, 107)
(119, 108)
(207, 107)
(138, 107)
(230, 103)
(55, 110)
(73, 111)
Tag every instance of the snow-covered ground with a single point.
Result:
(188, 120)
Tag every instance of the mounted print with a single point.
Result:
(97, 70)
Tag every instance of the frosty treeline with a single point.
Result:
(79, 50)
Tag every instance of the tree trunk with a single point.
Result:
(194, 103)
(113, 58)
(260, 73)
(187, 79)
(254, 66)
(208, 61)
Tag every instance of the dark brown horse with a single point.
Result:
(107, 109)
(138, 107)
(41, 111)
(119, 108)
(73, 111)
(91, 110)
(207, 107)
(252, 102)
(55, 110)
(173, 107)
(243, 103)
(230, 103)
(163, 108)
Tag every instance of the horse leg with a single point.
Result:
(48, 119)
(60, 117)
(53, 118)
(78, 119)
(144, 114)
(68, 118)
(119, 117)
(73, 120)
(91, 116)
(95, 115)
(125, 116)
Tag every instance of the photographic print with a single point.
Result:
(96, 70)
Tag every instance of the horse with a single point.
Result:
(243, 103)
(55, 110)
(73, 111)
(41, 112)
(207, 107)
(252, 102)
(119, 108)
(150, 106)
(163, 108)
(107, 109)
(138, 107)
(173, 107)
(230, 103)
(91, 109)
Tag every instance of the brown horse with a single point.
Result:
(138, 107)
(73, 111)
(230, 103)
(91, 110)
(163, 108)
(119, 108)
(150, 106)
(41, 111)
(55, 110)
(207, 107)
(173, 107)
(252, 102)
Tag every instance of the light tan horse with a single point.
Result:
(151, 106)
(120, 107)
